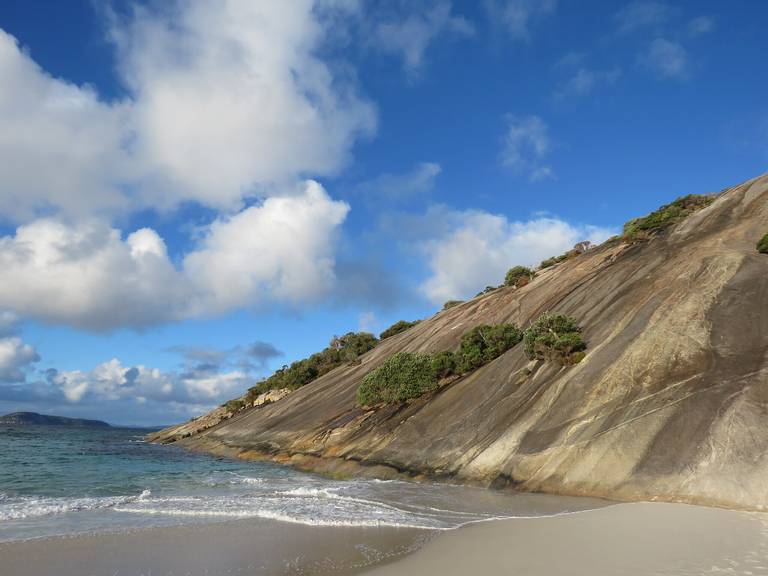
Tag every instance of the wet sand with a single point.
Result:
(244, 547)
(623, 539)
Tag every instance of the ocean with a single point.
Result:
(57, 481)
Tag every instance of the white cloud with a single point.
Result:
(15, 356)
(227, 100)
(231, 97)
(642, 14)
(667, 58)
(477, 248)
(282, 248)
(516, 15)
(61, 148)
(112, 381)
(411, 36)
(90, 277)
(525, 147)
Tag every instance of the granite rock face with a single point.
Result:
(670, 402)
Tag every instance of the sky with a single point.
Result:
(196, 192)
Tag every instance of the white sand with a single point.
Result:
(625, 539)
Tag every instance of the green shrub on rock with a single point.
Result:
(518, 276)
(341, 349)
(452, 303)
(554, 338)
(762, 246)
(402, 376)
(397, 327)
(640, 228)
(485, 343)
(444, 364)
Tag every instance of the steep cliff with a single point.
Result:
(670, 402)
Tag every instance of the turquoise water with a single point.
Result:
(63, 481)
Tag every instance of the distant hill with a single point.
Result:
(35, 419)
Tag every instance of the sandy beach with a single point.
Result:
(629, 539)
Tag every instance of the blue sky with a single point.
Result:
(195, 192)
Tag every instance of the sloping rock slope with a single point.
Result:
(670, 403)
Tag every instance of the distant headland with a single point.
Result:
(35, 419)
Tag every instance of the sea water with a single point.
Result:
(57, 481)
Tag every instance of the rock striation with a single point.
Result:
(670, 402)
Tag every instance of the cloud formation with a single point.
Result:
(525, 147)
(226, 101)
(517, 15)
(15, 357)
(205, 378)
(410, 36)
(88, 276)
(476, 248)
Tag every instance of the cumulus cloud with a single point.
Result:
(525, 147)
(61, 148)
(90, 277)
(113, 381)
(227, 100)
(230, 97)
(517, 15)
(15, 356)
(476, 248)
(667, 58)
(411, 35)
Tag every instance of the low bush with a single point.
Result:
(554, 338)
(397, 327)
(234, 405)
(640, 228)
(408, 375)
(452, 303)
(402, 376)
(557, 259)
(518, 276)
(342, 349)
(444, 364)
(485, 343)
(762, 246)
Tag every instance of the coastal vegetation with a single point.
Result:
(342, 349)
(762, 245)
(397, 327)
(408, 375)
(401, 377)
(554, 338)
(642, 228)
(518, 276)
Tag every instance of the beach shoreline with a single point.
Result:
(635, 539)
